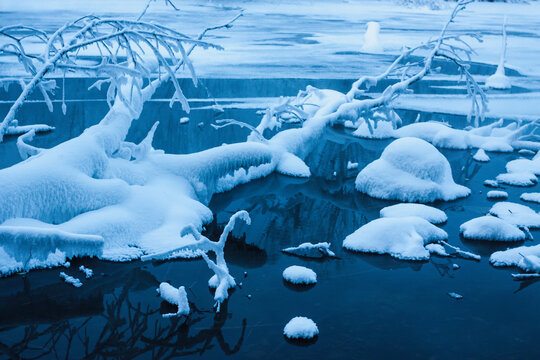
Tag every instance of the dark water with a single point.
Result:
(366, 306)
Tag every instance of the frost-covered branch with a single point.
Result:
(121, 45)
(222, 281)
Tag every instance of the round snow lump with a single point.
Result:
(300, 275)
(301, 327)
(410, 170)
(491, 228)
(429, 213)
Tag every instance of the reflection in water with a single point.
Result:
(108, 326)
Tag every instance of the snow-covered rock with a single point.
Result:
(174, 296)
(497, 194)
(532, 197)
(491, 228)
(301, 327)
(492, 137)
(517, 179)
(410, 170)
(310, 250)
(524, 257)
(516, 214)
(429, 213)
(300, 275)
(403, 238)
(481, 156)
(524, 166)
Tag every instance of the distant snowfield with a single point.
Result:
(304, 38)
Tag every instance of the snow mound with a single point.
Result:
(372, 43)
(310, 250)
(516, 214)
(491, 228)
(174, 296)
(429, 213)
(403, 238)
(499, 80)
(481, 156)
(492, 137)
(532, 197)
(524, 166)
(300, 275)
(517, 179)
(410, 170)
(301, 327)
(524, 257)
(496, 194)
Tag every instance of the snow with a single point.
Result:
(481, 156)
(497, 194)
(372, 43)
(292, 165)
(524, 165)
(310, 250)
(516, 214)
(532, 197)
(352, 165)
(174, 296)
(402, 237)
(526, 152)
(71, 280)
(524, 257)
(301, 328)
(491, 228)
(436, 249)
(410, 170)
(87, 272)
(517, 179)
(491, 183)
(30, 247)
(429, 213)
(378, 130)
(300, 275)
(491, 137)
(499, 80)
(455, 295)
